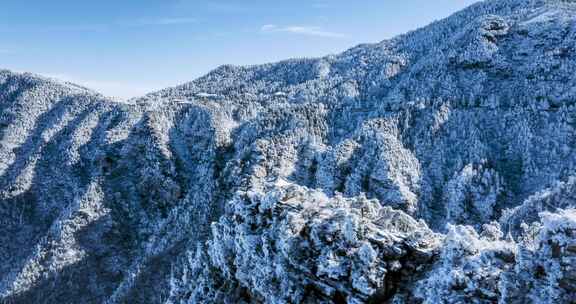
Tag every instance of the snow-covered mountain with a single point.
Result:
(435, 167)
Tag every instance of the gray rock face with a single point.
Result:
(435, 167)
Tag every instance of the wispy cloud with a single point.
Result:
(116, 89)
(321, 4)
(301, 30)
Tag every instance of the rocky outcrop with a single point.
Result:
(294, 245)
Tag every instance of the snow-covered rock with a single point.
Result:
(290, 244)
(539, 268)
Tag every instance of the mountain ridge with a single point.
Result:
(435, 167)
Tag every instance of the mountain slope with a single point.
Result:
(390, 172)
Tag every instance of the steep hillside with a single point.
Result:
(435, 167)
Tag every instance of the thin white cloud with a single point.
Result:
(321, 4)
(269, 28)
(115, 89)
(118, 90)
(301, 30)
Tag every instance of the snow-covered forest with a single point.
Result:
(434, 167)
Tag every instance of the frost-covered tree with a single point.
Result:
(326, 179)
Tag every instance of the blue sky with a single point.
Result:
(126, 48)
